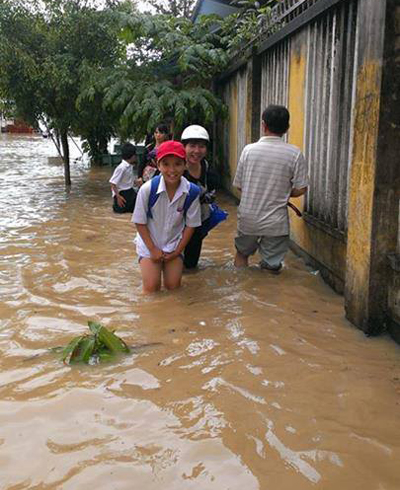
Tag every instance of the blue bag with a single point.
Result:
(194, 191)
(217, 215)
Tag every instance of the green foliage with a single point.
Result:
(49, 51)
(95, 124)
(110, 71)
(100, 345)
(169, 74)
(240, 30)
(7, 108)
(176, 8)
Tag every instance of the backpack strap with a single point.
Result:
(194, 191)
(153, 196)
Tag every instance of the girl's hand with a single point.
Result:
(170, 256)
(156, 255)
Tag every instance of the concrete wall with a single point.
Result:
(336, 67)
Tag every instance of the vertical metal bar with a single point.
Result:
(313, 120)
(268, 73)
(266, 86)
(331, 126)
(285, 86)
(276, 77)
(282, 60)
(343, 115)
(271, 71)
(262, 81)
(239, 112)
(326, 198)
(281, 73)
(278, 72)
(353, 41)
(287, 72)
(318, 116)
(274, 70)
(266, 78)
(307, 102)
(337, 114)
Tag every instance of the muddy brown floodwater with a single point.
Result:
(253, 381)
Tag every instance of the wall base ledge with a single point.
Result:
(394, 260)
(394, 330)
(334, 281)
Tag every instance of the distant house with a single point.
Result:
(15, 126)
(219, 7)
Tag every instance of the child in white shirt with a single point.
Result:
(122, 181)
(166, 225)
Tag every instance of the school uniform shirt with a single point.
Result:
(123, 177)
(168, 221)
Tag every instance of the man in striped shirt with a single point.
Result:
(269, 172)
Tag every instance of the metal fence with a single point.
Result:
(331, 57)
(275, 75)
(281, 14)
(234, 92)
(287, 10)
(330, 83)
(241, 110)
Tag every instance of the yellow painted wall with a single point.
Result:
(362, 184)
(322, 246)
(316, 242)
(354, 262)
(233, 132)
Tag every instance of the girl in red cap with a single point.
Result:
(166, 213)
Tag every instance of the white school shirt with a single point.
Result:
(122, 177)
(168, 222)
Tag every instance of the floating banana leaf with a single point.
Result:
(84, 350)
(100, 345)
(111, 341)
(104, 356)
(94, 326)
(69, 349)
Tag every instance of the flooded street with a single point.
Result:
(240, 380)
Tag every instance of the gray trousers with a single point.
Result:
(272, 249)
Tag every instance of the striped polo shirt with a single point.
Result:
(266, 174)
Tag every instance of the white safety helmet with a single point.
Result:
(195, 132)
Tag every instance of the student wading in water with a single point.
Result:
(122, 181)
(269, 172)
(166, 213)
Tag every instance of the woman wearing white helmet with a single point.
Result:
(195, 140)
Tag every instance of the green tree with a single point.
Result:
(169, 74)
(48, 50)
(176, 8)
(7, 108)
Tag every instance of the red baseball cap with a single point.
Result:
(171, 148)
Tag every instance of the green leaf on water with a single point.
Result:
(83, 350)
(105, 356)
(69, 349)
(94, 327)
(111, 341)
(101, 345)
